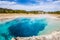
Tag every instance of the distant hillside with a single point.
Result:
(5, 10)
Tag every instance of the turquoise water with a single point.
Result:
(23, 27)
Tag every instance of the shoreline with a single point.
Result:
(6, 17)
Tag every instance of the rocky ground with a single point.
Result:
(53, 36)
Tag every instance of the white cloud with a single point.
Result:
(49, 6)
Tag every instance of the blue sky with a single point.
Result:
(40, 5)
(25, 2)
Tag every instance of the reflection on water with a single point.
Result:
(23, 27)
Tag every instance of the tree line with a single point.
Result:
(5, 10)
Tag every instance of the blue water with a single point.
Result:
(22, 27)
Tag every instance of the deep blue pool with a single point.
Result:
(22, 27)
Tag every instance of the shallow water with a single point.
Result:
(53, 25)
(23, 27)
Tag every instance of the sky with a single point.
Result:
(31, 5)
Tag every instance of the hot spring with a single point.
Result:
(27, 27)
(22, 27)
